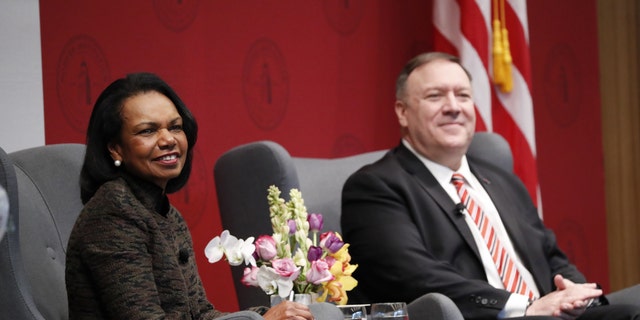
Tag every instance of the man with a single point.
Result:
(413, 228)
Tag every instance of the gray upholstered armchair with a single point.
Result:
(42, 184)
(243, 174)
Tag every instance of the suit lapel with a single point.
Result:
(430, 185)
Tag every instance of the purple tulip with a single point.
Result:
(331, 241)
(314, 253)
(316, 221)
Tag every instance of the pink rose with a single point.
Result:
(319, 272)
(266, 247)
(250, 277)
(286, 268)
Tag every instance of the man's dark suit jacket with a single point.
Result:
(409, 239)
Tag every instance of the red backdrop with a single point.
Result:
(318, 77)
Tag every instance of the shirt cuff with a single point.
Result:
(516, 306)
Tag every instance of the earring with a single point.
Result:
(117, 163)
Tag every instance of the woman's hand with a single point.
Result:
(288, 310)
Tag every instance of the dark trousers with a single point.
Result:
(606, 312)
(612, 312)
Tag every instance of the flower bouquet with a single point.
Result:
(296, 258)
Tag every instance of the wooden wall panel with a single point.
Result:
(618, 36)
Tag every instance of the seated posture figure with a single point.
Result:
(130, 255)
(412, 217)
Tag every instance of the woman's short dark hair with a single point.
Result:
(105, 126)
(420, 60)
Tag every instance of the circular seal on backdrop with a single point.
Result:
(347, 145)
(82, 74)
(344, 16)
(192, 198)
(572, 241)
(265, 84)
(562, 85)
(176, 15)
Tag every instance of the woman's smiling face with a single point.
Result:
(152, 145)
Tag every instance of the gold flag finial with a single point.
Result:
(497, 51)
(507, 84)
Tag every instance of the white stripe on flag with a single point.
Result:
(519, 105)
(520, 8)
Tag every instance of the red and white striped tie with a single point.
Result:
(507, 269)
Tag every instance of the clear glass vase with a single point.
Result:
(302, 298)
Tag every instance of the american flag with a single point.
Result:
(491, 37)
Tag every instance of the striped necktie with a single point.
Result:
(507, 269)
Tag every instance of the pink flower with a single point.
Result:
(319, 272)
(266, 247)
(316, 221)
(250, 277)
(286, 268)
(271, 282)
(330, 260)
(331, 241)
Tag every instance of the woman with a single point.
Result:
(130, 255)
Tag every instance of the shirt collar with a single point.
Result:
(440, 172)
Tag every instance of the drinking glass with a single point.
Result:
(354, 311)
(389, 310)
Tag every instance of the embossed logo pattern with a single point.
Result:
(573, 243)
(562, 85)
(265, 84)
(344, 16)
(83, 72)
(176, 15)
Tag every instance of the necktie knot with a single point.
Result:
(457, 180)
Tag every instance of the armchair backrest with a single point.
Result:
(321, 181)
(493, 148)
(16, 301)
(44, 194)
(243, 174)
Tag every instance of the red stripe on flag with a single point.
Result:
(472, 24)
(524, 162)
(442, 44)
